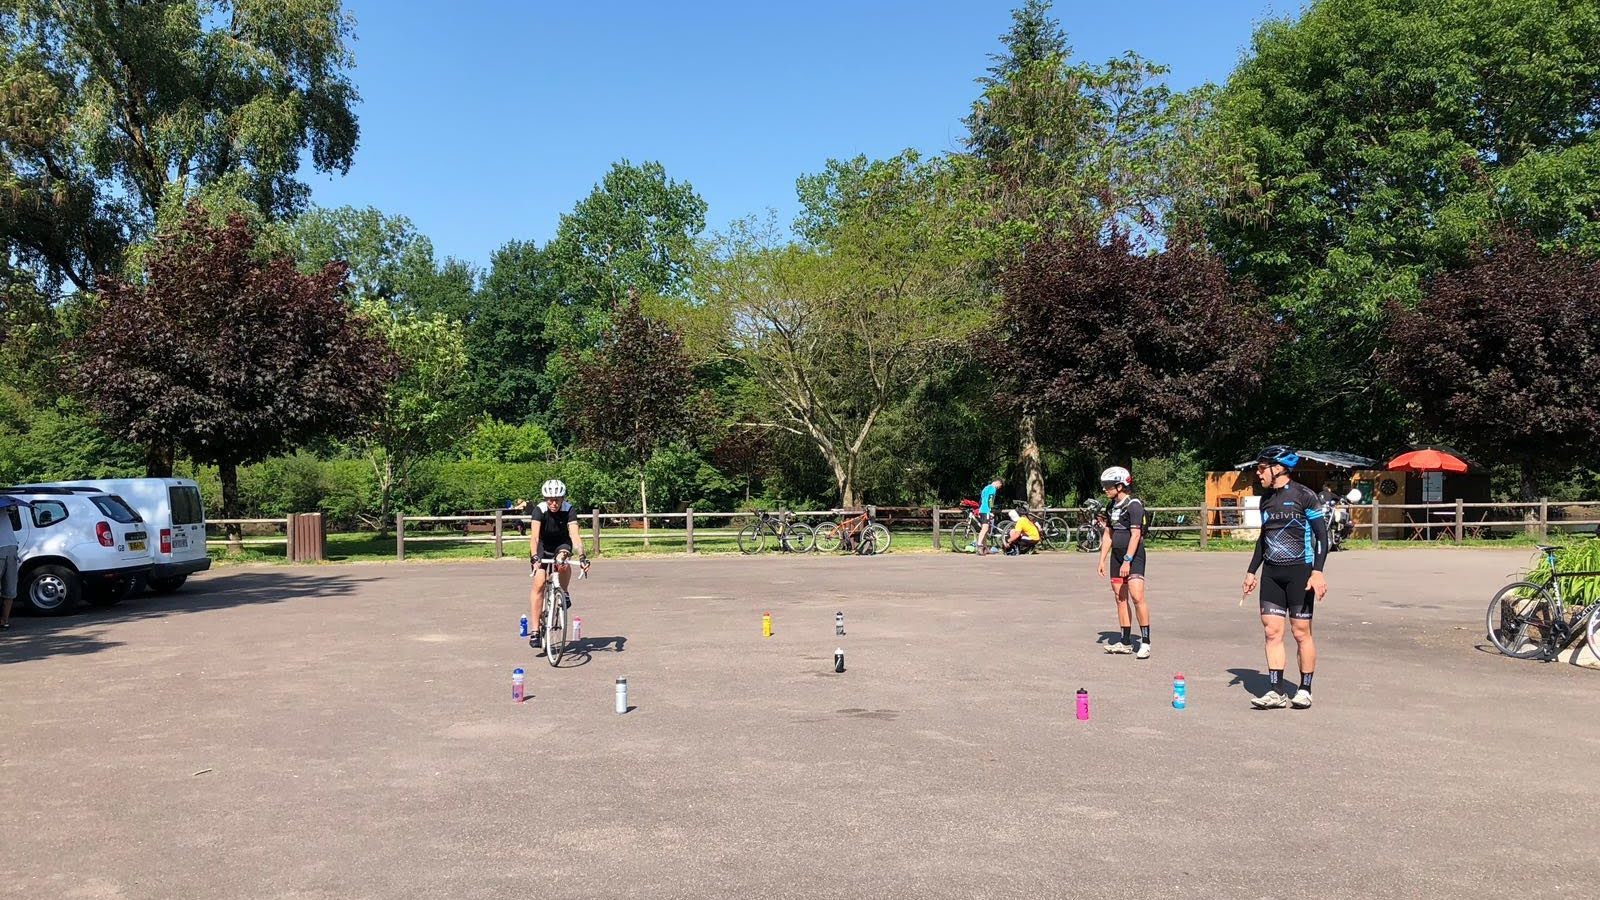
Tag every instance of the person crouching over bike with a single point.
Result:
(1124, 540)
(553, 531)
(1024, 533)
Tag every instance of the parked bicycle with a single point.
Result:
(1091, 525)
(964, 537)
(860, 534)
(1055, 532)
(776, 531)
(1531, 619)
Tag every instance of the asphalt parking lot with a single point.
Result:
(348, 732)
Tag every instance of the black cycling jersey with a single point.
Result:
(553, 530)
(1293, 530)
(1123, 517)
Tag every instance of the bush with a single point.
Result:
(495, 441)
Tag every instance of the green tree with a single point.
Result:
(427, 406)
(832, 334)
(1390, 135)
(387, 258)
(506, 335)
(634, 235)
(120, 112)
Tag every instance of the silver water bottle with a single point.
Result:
(622, 695)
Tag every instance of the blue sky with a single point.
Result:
(485, 120)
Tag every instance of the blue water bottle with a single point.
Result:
(524, 626)
(1180, 692)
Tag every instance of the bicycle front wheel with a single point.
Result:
(880, 536)
(555, 622)
(829, 537)
(1593, 636)
(1057, 533)
(1519, 622)
(753, 538)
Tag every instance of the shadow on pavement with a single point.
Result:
(1255, 681)
(38, 637)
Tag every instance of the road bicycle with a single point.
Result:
(860, 534)
(1091, 525)
(780, 531)
(1531, 619)
(553, 630)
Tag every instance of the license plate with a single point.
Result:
(180, 541)
(136, 545)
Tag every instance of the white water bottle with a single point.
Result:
(577, 629)
(622, 695)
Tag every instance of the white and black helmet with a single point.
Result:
(554, 489)
(1116, 475)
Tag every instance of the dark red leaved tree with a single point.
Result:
(226, 356)
(634, 393)
(1125, 352)
(1503, 357)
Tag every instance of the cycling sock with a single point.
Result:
(1275, 676)
(1144, 632)
(1305, 681)
(1127, 635)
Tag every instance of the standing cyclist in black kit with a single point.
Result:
(1293, 545)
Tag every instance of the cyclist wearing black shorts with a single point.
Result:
(554, 530)
(1289, 553)
(1122, 555)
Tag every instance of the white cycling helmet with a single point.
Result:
(554, 489)
(1116, 475)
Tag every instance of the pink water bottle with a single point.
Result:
(1083, 705)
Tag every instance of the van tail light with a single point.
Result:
(166, 540)
(102, 533)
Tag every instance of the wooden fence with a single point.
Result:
(1454, 522)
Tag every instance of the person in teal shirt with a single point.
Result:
(986, 514)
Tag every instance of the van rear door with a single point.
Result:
(188, 522)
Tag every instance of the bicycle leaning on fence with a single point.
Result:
(1091, 525)
(1531, 619)
(860, 534)
(964, 537)
(780, 531)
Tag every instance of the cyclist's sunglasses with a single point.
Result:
(1108, 485)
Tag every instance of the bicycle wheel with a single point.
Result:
(1056, 533)
(753, 538)
(797, 538)
(1091, 539)
(555, 622)
(829, 537)
(962, 537)
(880, 537)
(1593, 635)
(1519, 621)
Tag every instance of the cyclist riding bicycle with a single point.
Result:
(552, 537)
(1024, 533)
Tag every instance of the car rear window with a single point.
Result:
(186, 507)
(116, 509)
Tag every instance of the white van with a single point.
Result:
(171, 507)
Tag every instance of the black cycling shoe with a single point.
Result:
(534, 641)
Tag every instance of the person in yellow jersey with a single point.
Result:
(1024, 533)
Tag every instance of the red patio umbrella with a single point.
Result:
(1428, 460)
